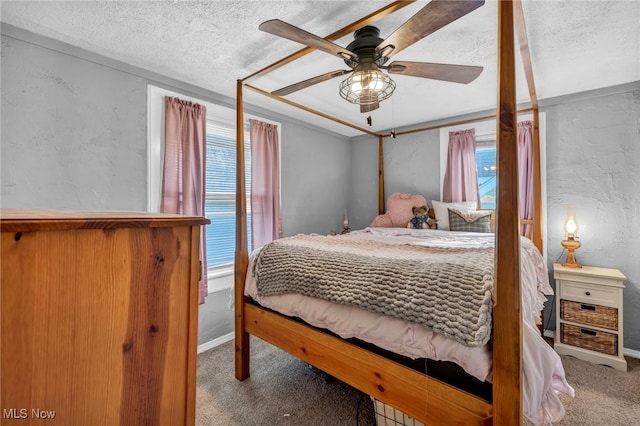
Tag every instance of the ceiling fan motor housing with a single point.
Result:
(366, 39)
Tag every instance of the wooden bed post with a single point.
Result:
(521, 30)
(536, 232)
(241, 255)
(380, 174)
(507, 314)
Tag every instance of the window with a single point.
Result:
(486, 157)
(220, 203)
(485, 132)
(486, 169)
(221, 176)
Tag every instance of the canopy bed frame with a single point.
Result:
(416, 394)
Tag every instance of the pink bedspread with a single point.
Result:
(543, 375)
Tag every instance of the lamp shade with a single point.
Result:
(365, 87)
(571, 224)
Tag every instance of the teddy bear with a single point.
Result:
(421, 218)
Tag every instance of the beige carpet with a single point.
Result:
(282, 390)
(604, 396)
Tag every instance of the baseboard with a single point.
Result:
(631, 353)
(215, 342)
(626, 351)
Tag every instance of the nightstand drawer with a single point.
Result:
(582, 337)
(581, 292)
(589, 314)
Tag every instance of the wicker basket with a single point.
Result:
(599, 341)
(584, 313)
(386, 415)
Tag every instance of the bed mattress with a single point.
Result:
(543, 373)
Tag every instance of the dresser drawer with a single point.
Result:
(588, 314)
(583, 337)
(582, 292)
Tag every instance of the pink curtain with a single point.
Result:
(525, 174)
(461, 177)
(183, 180)
(266, 220)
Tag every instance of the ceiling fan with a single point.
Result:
(367, 54)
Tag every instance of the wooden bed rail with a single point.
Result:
(373, 374)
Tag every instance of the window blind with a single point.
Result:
(220, 202)
(486, 169)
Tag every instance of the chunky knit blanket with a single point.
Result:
(447, 289)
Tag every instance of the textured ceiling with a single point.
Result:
(575, 46)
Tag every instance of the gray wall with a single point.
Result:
(74, 136)
(315, 180)
(74, 132)
(215, 319)
(593, 164)
(411, 166)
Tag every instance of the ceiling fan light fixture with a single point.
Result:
(366, 87)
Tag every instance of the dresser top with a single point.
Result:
(18, 220)
(590, 271)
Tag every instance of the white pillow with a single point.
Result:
(442, 211)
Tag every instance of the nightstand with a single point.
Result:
(589, 314)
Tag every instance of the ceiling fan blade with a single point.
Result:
(455, 73)
(309, 82)
(288, 31)
(429, 19)
(369, 107)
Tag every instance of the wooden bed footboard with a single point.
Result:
(416, 394)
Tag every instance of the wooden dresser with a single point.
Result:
(99, 317)
(589, 314)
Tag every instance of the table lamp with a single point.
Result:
(571, 243)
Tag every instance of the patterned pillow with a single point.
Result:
(472, 221)
(442, 215)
